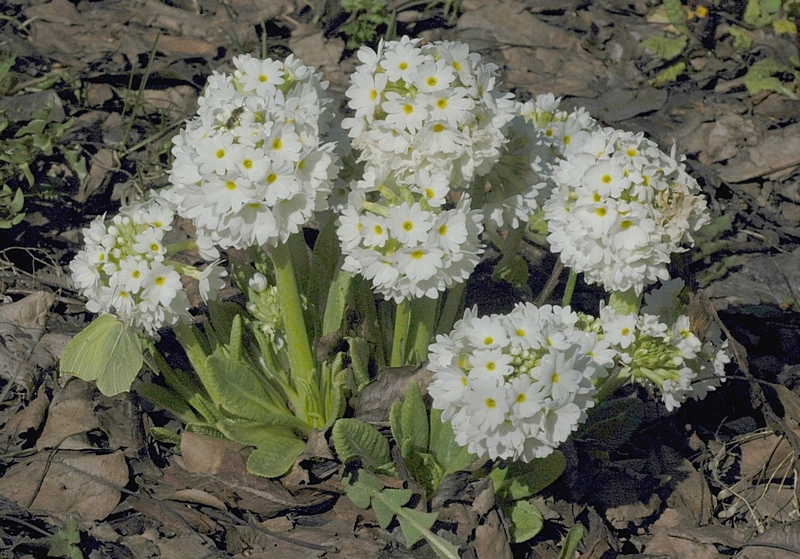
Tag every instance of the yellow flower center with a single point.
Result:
(601, 212)
(373, 94)
(417, 254)
(262, 78)
(272, 177)
(490, 403)
(438, 127)
(432, 81)
(403, 65)
(443, 230)
(488, 340)
(160, 280)
(230, 185)
(442, 103)
(408, 226)
(408, 109)
(220, 153)
(606, 178)
(247, 164)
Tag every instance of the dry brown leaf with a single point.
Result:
(390, 385)
(71, 483)
(71, 413)
(691, 497)
(30, 417)
(491, 539)
(310, 45)
(765, 457)
(178, 517)
(199, 497)
(206, 455)
(102, 163)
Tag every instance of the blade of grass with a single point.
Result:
(142, 85)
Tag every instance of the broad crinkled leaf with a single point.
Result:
(354, 438)
(256, 433)
(414, 418)
(165, 398)
(611, 423)
(238, 389)
(666, 48)
(275, 456)
(524, 480)
(108, 352)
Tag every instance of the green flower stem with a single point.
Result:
(301, 360)
(180, 246)
(570, 288)
(402, 318)
(452, 306)
(625, 302)
(423, 321)
(610, 385)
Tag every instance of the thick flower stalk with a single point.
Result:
(658, 349)
(125, 268)
(620, 207)
(251, 168)
(515, 386)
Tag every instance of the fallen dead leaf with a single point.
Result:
(71, 413)
(29, 418)
(390, 385)
(71, 483)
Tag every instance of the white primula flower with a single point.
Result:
(506, 394)
(619, 208)
(427, 106)
(251, 167)
(124, 267)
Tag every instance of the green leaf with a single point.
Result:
(108, 352)
(167, 399)
(422, 466)
(666, 47)
(742, 39)
(355, 438)
(526, 521)
(256, 433)
(521, 480)
(238, 390)
(414, 418)
(514, 272)
(275, 456)
(64, 543)
(760, 77)
(359, 361)
(668, 75)
(164, 435)
(612, 423)
(451, 456)
(416, 525)
(573, 539)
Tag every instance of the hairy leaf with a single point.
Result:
(668, 75)
(108, 352)
(761, 77)
(612, 423)
(414, 418)
(275, 456)
(354, 438)
(165, 398)
(256, 433)
(451, 456)
(238, 390)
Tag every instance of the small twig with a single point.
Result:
(551, 284)
(28, 525)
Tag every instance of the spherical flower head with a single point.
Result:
(514, 386)
(409, 250)
(432, 106)
(121, 268)
(663, 353)
(250, 167)
(619, 208)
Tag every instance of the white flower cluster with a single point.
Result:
(658, 349)
(620, 208)
(123, 269)
(515, 386)
(250, 168)
(520, 182)
(427, 106)
(406, 242)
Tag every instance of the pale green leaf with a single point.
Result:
(355, 438)
(395, 421)
(108, 352)
(526, 521)
(275, 456)
(448, 453)
(668, 75)
(742, 39)
(238, 389)
(784, 27)
(388, 502)
(256, 433)
(422, 466)
(414, 418)
(573, 539)
(359, 361)
(666, 47)
(760, 77)
(64, 543)
(415, 524)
